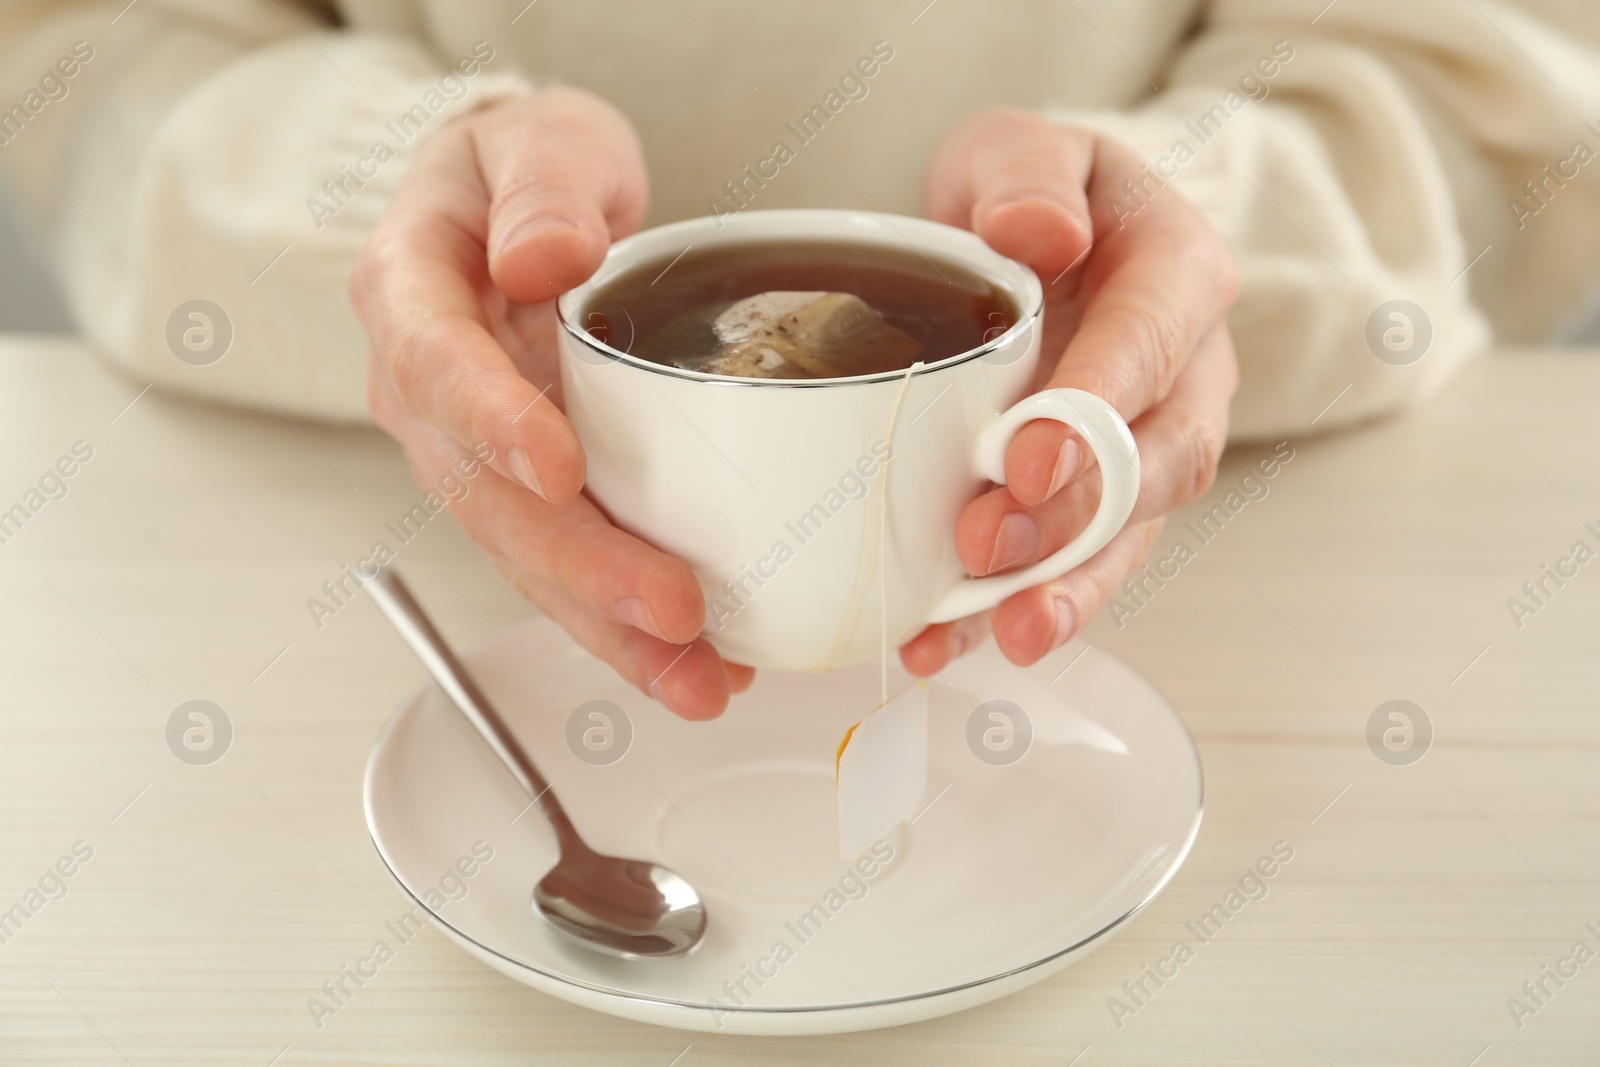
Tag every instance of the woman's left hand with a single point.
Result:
(1137, 293)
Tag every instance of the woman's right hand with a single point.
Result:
(502, 211)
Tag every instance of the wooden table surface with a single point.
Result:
(215, 900)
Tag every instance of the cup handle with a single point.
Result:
(1098, 423)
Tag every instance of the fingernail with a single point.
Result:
(636, 613)
(522, 467)
(1064, 621)
(1018, 538)
(1039, 196)
(525, 230)
(958, 645)
(1066, 466)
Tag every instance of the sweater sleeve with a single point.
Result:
(224, 161)
(1397, 180)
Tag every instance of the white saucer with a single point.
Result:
(1009, 873)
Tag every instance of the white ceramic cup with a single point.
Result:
(785, 496)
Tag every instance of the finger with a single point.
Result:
(1016, 180)
(740, 677)
(564, 181)
(1029, 625)
(690, 680)
(1181, 438)
(573, 546)
(416, 289)
(599, 566)
(1180, 442)
(1043, 458)
(685, 674)
(1159, 281)
(932, 650)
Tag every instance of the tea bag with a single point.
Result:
(784, 334)
(881, 770)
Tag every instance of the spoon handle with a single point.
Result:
(394, 599)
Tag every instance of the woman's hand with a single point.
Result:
(1136, 298)
(503, 211)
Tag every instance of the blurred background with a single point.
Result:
(30, 302)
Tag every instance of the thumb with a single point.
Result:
(565, 175)
(1017, 180)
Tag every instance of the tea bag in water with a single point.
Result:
(784, 334)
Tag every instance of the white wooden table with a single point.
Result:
(218, 898)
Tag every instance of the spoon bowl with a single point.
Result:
(625, 908)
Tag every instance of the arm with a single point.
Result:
(1370, 159)
(1373, 156)
(189, 150)
(206, 148)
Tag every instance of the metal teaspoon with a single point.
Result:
(621, 907)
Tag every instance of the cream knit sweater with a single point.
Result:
(1352, 152)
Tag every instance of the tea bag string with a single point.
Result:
(883, 532)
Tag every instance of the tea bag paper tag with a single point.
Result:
(882, 770)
